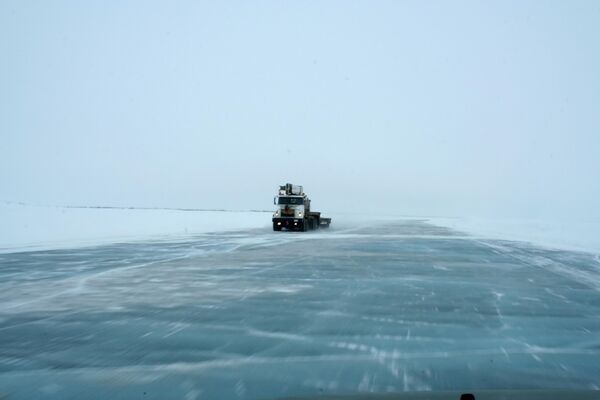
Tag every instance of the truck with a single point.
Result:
(293, 211)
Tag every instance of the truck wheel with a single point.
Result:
(276, 227)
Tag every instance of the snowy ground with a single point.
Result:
(406, 306)
(43, 227)
(557, 233)
(28, 227)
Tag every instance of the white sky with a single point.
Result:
(483, 108)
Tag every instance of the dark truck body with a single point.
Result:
(293, 212)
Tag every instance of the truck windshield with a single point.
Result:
(290, 200)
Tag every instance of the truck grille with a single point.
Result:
(287, 213)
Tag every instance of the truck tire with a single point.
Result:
(276, 227)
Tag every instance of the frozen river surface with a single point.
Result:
(256, 314)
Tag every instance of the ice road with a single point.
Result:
(406, 306)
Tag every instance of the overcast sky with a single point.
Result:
(426, 108)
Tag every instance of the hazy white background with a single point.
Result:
(451, 108)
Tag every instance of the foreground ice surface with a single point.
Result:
(255, 314)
